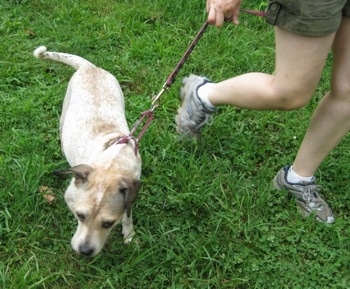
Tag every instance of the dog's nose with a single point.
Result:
(86, 250)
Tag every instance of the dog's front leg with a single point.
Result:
(127, 228)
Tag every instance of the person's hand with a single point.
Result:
(221, 10)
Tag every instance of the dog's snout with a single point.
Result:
(86, 250)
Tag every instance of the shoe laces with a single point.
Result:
(204, 119)
(311, 195)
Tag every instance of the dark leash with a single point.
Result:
(148, 115)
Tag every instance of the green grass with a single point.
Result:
(207, 215)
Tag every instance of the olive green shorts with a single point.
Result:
(308, 17)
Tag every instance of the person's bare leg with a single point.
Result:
(331, 120)
(299, 64)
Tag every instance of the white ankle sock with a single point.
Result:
(294, 178)
(203, 92)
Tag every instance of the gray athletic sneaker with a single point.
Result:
(307, 196)
(194, 113)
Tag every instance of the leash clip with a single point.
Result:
(155, 99)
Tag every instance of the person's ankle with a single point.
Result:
(294, 178)
(203, 93)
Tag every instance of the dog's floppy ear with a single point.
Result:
(129, 188)
(80, 172)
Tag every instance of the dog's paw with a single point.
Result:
(128, 237)
(134, 242)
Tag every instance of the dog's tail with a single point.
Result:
(72, 60)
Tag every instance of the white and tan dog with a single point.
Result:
(106, 174)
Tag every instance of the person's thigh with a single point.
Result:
(299, 63)
(341, 60)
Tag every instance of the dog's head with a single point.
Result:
(99, 200)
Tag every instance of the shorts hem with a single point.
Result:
(278, 16)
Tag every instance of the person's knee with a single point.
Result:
(292, 99)
(292, 103)
(341, 90)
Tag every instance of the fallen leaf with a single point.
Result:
(47, 194)
(49, 198)
(30, 32)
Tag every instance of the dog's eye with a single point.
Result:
(81, 216)
(107, 224)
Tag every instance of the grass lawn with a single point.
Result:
(207, 215)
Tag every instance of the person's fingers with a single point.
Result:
(215, 17)
(220, 18)
(219, 12)
(211, 15)
(235, 19)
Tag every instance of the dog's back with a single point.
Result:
(94, 104)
